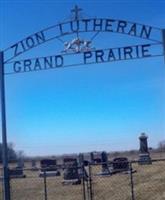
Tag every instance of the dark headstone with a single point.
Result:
(16, 172)
(144, 156)
(49, 168)
(71, 175)
(48, 165)
(20, 163)
(145, 159)
(82, 164)
(71, 168)
(92, 157)
(81, 159)
(86, 163)
(97, 160)
(104, 160)
(33, 165)
(143, 143)
(120, 164)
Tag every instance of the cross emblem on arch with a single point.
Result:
(76, 12)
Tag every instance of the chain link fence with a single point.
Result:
(109, 186)
(41, 184)
(149, 181)
(103, 181)
(1, 184)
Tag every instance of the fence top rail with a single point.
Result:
(153, 160)
(64, 166)
(129, 161)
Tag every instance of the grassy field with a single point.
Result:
(149, 184)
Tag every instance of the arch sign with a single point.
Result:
(81, 49)
(84, 50)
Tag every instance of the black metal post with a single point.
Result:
(85, 182)
(45, 185)
(90, 182)
(132, 183)
(6, 181)
(87, 185)
(83, 179)
(163, 42)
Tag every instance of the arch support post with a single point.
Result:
(163, 42)
(6, 181)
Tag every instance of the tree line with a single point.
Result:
(12, 154)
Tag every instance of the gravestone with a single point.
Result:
(97, 160)
(16, 172)
(104, 161)
(91, 157)
(144, 155)
(34, 165)
(20, 163)
(81, 159)
(71, 175)
(120, 164)
(48, 168)
(82, 163)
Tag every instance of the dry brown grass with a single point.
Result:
(149, 184)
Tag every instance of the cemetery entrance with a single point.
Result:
(75, 50)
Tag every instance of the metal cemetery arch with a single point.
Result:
(78, 47)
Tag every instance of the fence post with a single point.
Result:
(132, 183)
(90, 182)
(6, 181)
(163, 42)
(45, 185)
(83, 179)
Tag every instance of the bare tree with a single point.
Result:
(12, 156)
(161, 146)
